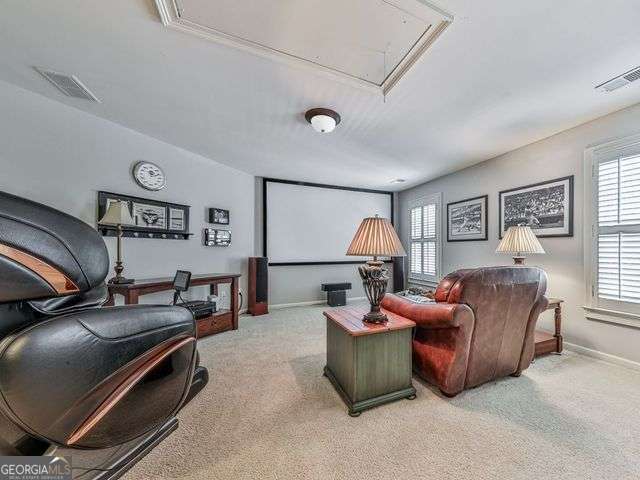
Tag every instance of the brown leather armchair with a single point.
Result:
(480, 328)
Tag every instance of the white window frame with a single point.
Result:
(611, 311)
(424, 279)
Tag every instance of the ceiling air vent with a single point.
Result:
(620, 81)
(70, 85)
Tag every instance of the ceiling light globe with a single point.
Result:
(323, 123)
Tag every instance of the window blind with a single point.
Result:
(416, 222)
(424, 241)
(618, 229)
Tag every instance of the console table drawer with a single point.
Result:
(220, 321)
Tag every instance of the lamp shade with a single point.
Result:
(518, 240)
(117, 214)
(376, 237)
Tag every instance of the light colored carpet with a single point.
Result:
(268, 413)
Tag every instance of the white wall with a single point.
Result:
(557, 156)
(60, 156)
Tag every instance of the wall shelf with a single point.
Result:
(163, 234)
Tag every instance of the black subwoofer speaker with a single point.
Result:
(336, 298)
(398, 274)
(258, 285)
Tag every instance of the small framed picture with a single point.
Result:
(546, 207)
(219, 216)
(467, 220)
(150, 216)
(217, 238)
(176, 219)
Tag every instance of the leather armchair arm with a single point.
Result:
(429, 315)
(528, 351)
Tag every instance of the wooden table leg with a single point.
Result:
(558, 330)
(234, 302)
(110, 301)
(131, 298)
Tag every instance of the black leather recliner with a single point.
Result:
(73, 374)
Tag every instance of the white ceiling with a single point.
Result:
(367, 44)
(504, 74)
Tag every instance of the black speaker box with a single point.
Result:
(337, 298)
(333, 287)
(258, 285)
(398, 274)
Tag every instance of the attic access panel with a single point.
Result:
(369, 42)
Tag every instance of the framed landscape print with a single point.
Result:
(467, 220)
(546, 207)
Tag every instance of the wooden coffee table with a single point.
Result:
(368, 364)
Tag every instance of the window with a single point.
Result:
(615, 233)
(424, 239)
(619, 229)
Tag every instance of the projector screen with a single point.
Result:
(314, 224)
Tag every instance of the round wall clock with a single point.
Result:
(149, 175)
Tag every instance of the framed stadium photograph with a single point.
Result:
(546, 207)
(467, 220)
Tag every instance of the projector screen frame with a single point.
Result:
(267, 180)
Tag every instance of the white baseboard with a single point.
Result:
(310, 302)
(588, 352)
(296, 304)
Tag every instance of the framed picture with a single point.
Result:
(217, 238)
(219, 216)
(176, 219)
(546, 207)
(468, 220)
(152, 218)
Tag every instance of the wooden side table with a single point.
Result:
(547, 342)
(368, 364)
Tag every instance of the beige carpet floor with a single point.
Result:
(268, 413)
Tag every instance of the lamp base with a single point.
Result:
(518, 260)
(120, 280)
(374, 281)
(375, 317)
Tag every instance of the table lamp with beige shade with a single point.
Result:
(518, 241)
(117, 215)
(375, 238)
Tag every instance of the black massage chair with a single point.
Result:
(102, 385)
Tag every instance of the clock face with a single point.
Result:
(149, 175)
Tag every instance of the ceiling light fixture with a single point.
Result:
(323, 120)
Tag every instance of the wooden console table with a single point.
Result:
(220, 321)
(547, 342)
